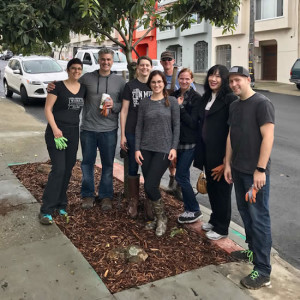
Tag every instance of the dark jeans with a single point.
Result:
(106, 143)
(256, 220)
(219, 195)
(154, 166)
(133, 166)
(55, 193)
(184, 162)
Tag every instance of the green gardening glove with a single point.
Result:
(60, 143)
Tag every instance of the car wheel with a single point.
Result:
(24, 96)
(298, 86)
(7, 91)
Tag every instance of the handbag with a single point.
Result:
(202, 183)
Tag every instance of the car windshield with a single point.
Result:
(119, 57)
(41, 66)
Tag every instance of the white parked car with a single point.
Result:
(156, 65)
(89, 58)
(29, 76)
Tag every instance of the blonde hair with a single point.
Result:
(186, 70)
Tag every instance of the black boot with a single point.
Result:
(172, 185)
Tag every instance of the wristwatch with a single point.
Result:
(261, 170)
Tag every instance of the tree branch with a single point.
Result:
(143, 36)
(182, 18)
(103, 32)
(122, 35)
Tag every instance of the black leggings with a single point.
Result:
(154, 166)
(55, 193)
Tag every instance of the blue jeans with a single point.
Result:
(106, 143)
(184, 162)
(133, 167)
(256, 219)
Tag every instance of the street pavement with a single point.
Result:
(39, 262)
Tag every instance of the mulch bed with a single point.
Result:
(95, 233)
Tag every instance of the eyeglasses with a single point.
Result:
(167, 59)
(156, 82)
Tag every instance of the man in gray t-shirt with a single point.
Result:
(247, 165)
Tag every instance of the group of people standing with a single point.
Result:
(166, 123)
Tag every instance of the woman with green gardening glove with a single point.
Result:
(62, 109)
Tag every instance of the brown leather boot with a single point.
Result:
(148, 209)
(133, 195)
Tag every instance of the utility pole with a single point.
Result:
(251, 40)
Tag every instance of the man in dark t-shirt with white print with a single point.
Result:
(247, 165)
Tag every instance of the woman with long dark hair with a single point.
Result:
(156, 141)
(211, 146)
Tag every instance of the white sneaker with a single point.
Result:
(207, 226)
(214, 236)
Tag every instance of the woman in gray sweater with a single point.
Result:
(156, 141)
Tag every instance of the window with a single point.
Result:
(196, 17)
(201, 57)
(140, 26)
(268, 9)
(224, 55)
(87, 59)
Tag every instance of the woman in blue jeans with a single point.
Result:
(188, 100)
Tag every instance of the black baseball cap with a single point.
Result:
(239, 70)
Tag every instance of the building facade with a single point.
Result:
(276, 39)
(76, 41)
(147, 46)
(191, 47)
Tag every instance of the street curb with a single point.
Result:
(225, 244)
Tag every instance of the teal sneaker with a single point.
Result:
(62, 212)
(45, 219)
(255, 281)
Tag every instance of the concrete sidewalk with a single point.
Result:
(39, 262)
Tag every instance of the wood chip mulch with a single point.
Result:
(95, 233)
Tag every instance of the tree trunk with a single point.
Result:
(131, 64)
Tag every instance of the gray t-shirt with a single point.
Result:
(158, 125)
(245, 119)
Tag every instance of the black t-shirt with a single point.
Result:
(245, 119)
(67, 107)
(134, 91)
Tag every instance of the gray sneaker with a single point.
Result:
(255, 281)
(87, 202)
(243, 255)
(207, 227)
(189, 217)
(106, 204)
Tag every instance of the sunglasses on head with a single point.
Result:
(167, 59)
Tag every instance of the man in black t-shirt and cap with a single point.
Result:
(247, 165)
